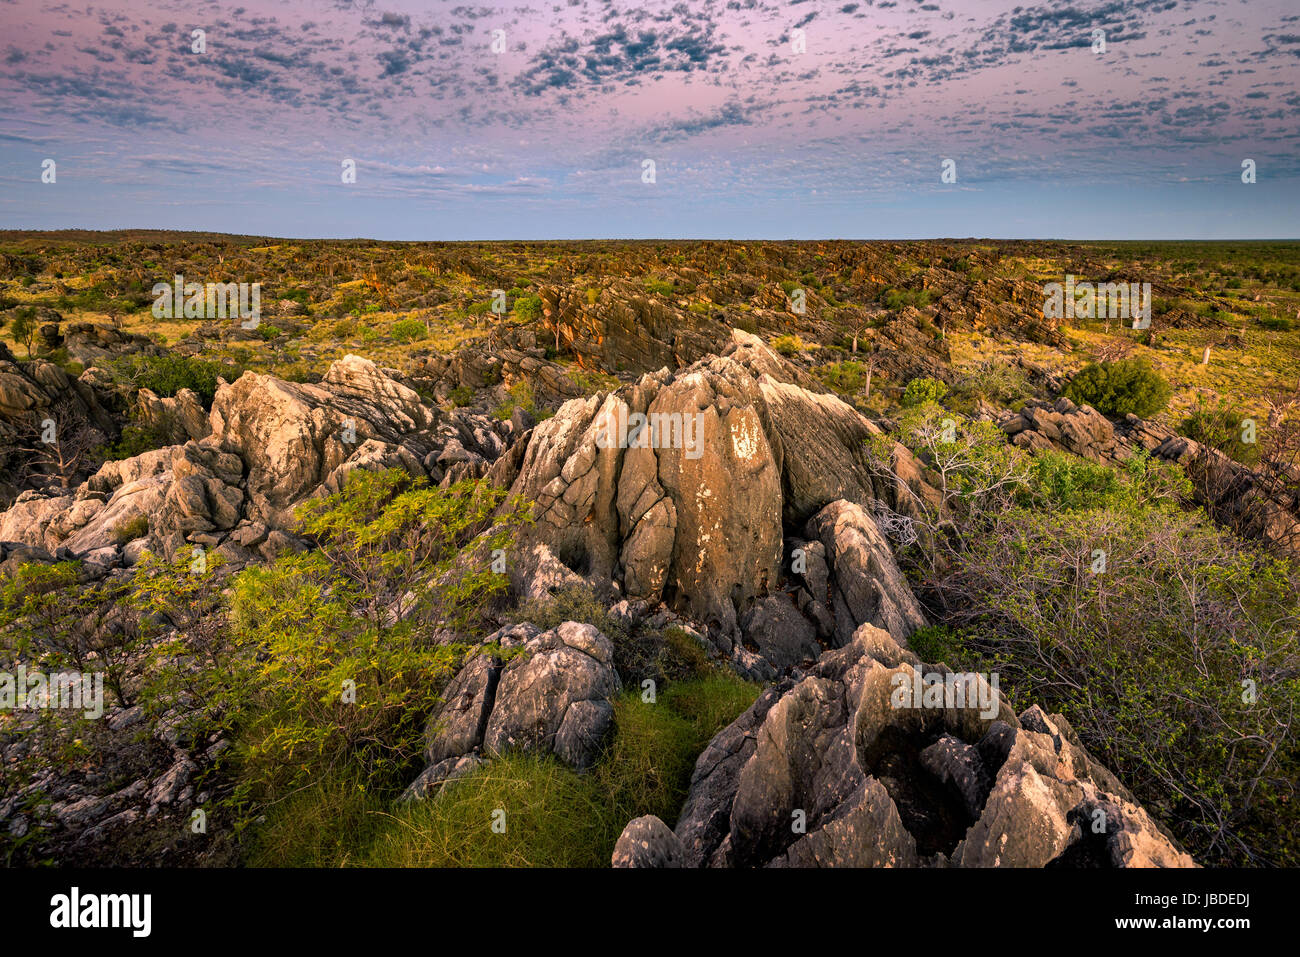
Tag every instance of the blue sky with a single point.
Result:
(750, 136)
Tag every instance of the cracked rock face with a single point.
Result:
(867, 584)
(555, 697)
(839, 767)
(695, 517)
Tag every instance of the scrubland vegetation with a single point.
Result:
(1124, 595)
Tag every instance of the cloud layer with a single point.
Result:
(762, 119)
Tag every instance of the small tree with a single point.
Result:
(24, 327)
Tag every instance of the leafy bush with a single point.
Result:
(1152, 658)
(53, 620)
(994, 380)
(461, 396)
(520, 395)
(409, 330)
(896, 299)
(1222, 427)
(975, 472)
(788, 345)
(362, 611)
(660, 286)
(168, 373)
(131, 529)
(528, 308)
(846, 378)
(134, 440)
(1120, 388)
(923, 390)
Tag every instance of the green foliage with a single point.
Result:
(1123, 387)
(661, 287)
(1059, 480)
(520, 395)
(974, 472)
(668, 654)
(846, 378)
(555, 817)
(1222, 427)
(1147, 657)
(23, 328)
(409, 330)
(788, 345)
(369, 612)
(134, 440)
(936, 644)
(131, 529)
(528, 308)
(922, 390)
(51, 619)
(897, 299)
(168, 373)
(995, 381)
(572, 603)
(461, 396)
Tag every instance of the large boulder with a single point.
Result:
(553, 696)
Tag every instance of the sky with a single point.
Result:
(768, 120)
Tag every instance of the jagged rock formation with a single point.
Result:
(265, 446)
(627, 328)
(839, 766)
(746, 510)
(553, 698)
(33, 395)
(91, 342)
(696, 521)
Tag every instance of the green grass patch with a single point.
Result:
(546, 814)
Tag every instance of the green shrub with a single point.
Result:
(1222, 427)
(311, 625)
(520, 395)
(661, 287)
(134, 440)
(994, 380)
(409, 330)
(897, 299)
(554, 816)
(1120, 388)
(923, 390)
(788, 345)
(461, 396)
(846, 378)
(1147, 656)
(528, 308)
(168, 373)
